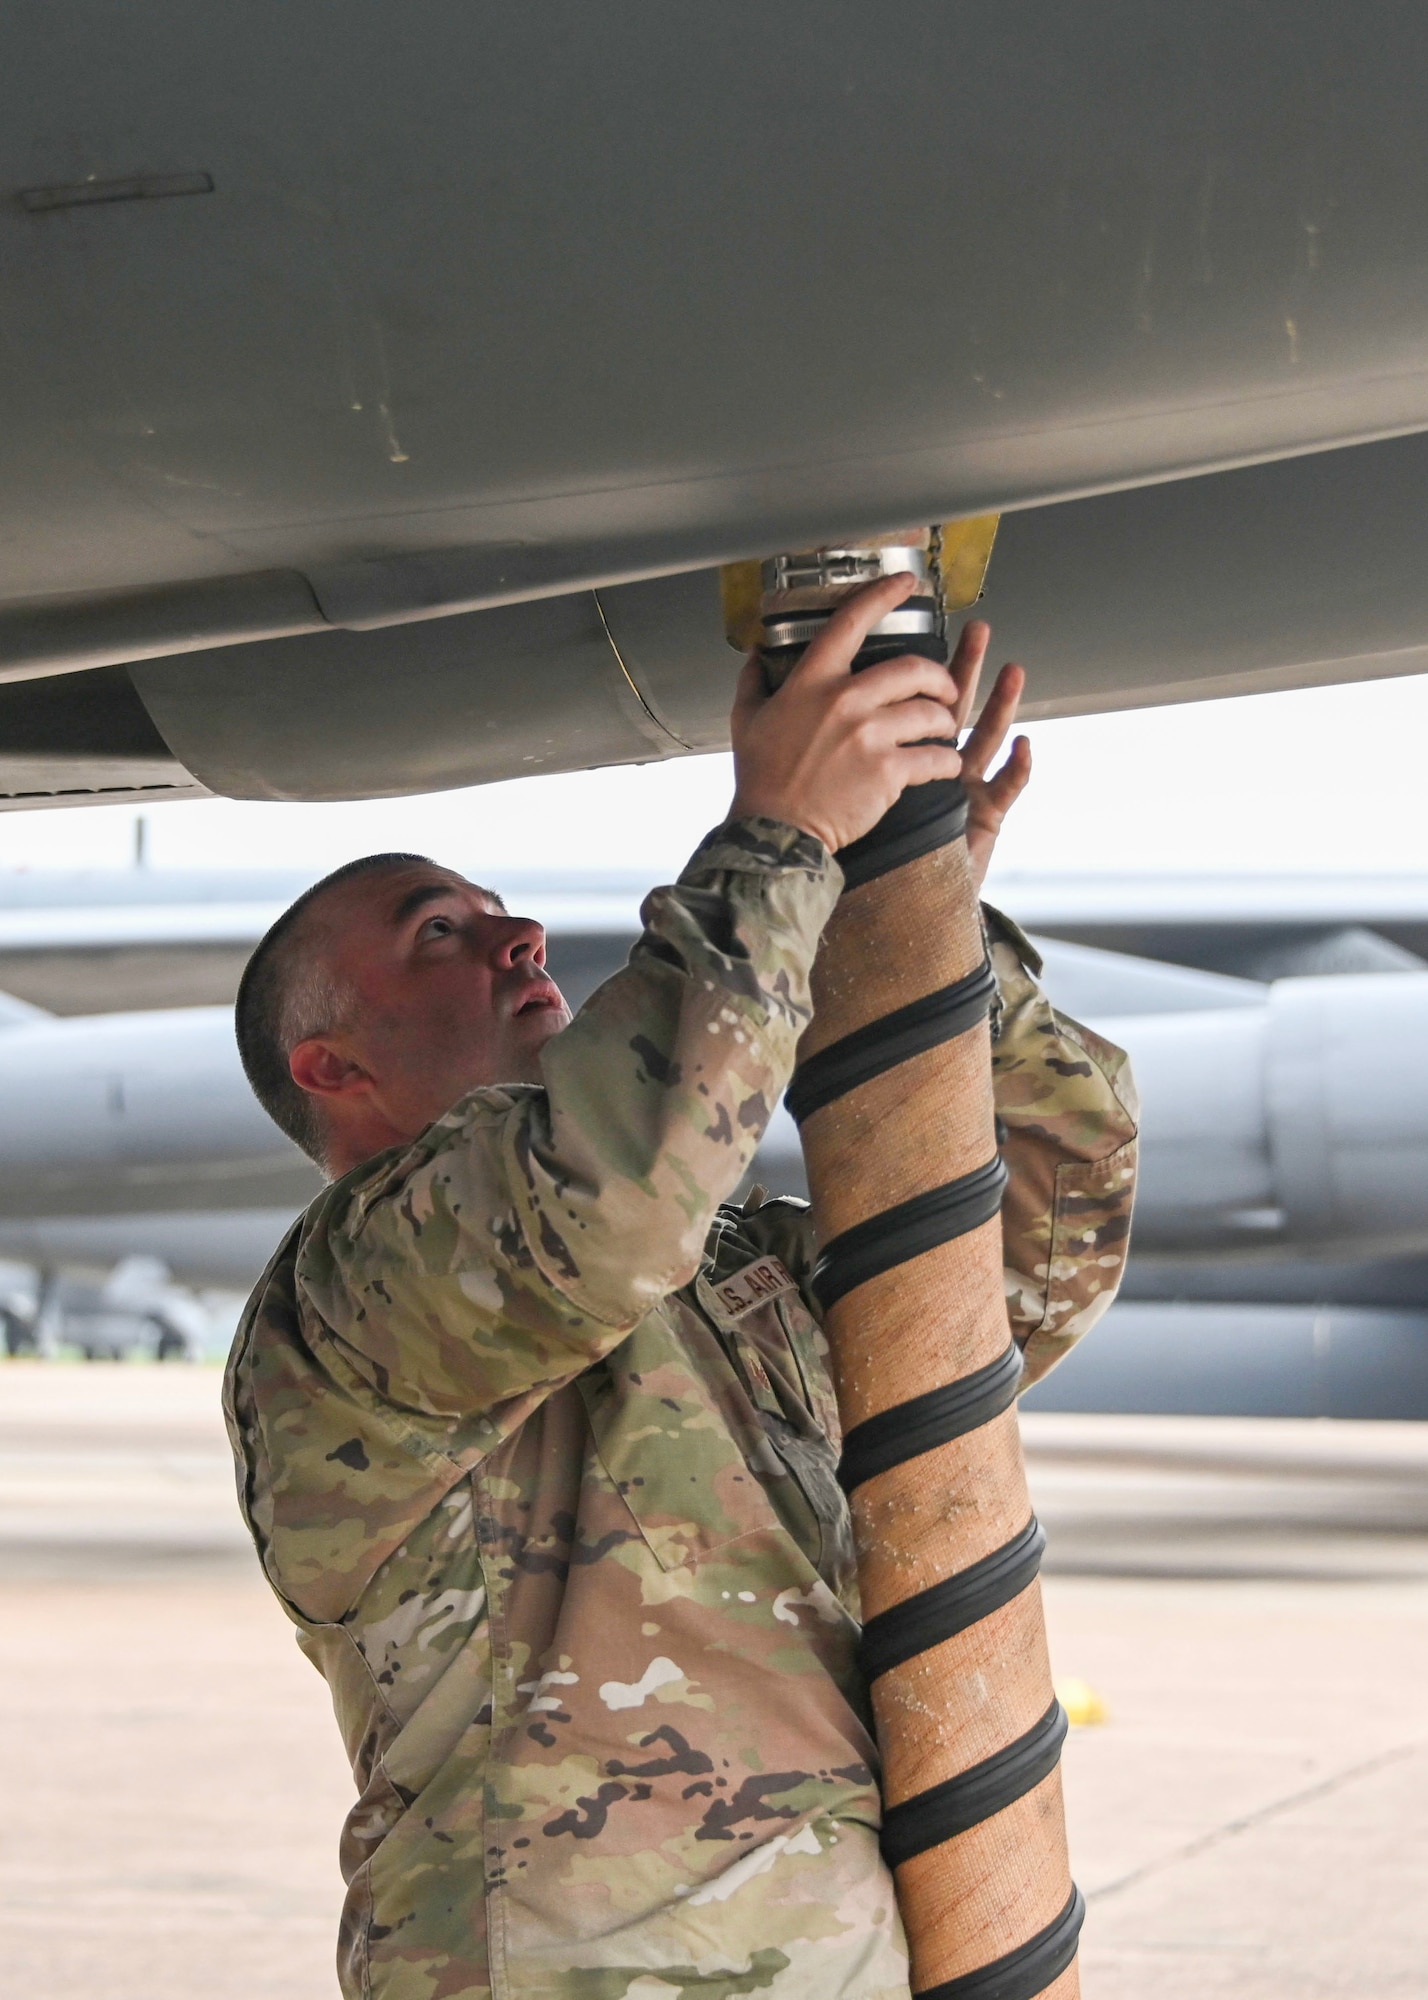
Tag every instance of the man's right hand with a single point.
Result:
(831, 750)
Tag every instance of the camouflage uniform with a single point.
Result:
(537, 1445)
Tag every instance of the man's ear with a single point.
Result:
(318, 1068)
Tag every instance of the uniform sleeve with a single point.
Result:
(530, 1229)
(1068, 1107)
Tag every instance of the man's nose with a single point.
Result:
(520, 938)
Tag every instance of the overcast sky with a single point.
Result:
(1326, 778)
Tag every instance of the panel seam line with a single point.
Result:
(630, 680)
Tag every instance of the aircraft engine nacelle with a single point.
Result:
(133, 1112)
(1302, 1123)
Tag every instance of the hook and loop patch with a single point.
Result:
(923, 1423)
(943, 1811)
(1022, 1973)
(907, 1230)
(917, 1624)
(895, 1038)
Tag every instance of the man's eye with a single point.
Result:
(438, 927)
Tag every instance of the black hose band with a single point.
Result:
(894, 1038)
(943, 1811)
(907, 1230)
(923, 818)
(925, 1422)
(919, 1623)
(780, 661)
(1022, 1973)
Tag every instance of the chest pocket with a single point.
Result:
(678, 1439)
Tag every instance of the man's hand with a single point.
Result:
(832, 750)
(989, 800)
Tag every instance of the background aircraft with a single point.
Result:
(1281, 1239)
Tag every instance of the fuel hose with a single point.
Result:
(893, 1097)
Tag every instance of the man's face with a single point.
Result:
(450, 991)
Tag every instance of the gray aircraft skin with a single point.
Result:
(380, 393)
(1285, 1135)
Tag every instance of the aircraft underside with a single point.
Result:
(381, 394)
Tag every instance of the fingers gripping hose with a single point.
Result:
(893, 1095)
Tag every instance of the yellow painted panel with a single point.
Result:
(966, 551)
(741, 586)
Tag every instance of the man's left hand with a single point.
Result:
(989, 799)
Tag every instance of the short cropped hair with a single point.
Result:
(284, 996)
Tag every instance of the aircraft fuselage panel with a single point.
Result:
(467, 303)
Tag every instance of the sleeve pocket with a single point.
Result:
(1090, 1231)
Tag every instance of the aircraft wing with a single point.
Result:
(379, 407)
(109, 941)
(1256, 927)
(94, 941)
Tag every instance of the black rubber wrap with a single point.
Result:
(1022, 1973)
(944, 1609)
(895, 1038)
(925, 1422)
(779, 661)
(895, 1235)
(930, 1817)
(925, 818)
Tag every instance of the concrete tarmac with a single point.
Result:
(1249, 1599)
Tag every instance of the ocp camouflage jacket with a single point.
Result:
(537, 1445)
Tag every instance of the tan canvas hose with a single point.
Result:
(893, 1096)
